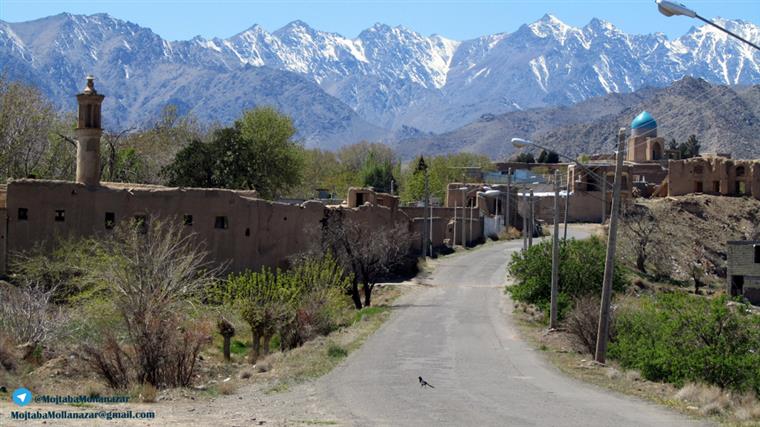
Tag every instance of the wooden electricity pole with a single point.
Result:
(604, 195)
(507, 218)
(422, 167)
(609, 262)
(567, 205)
(525, 219)
(532, 222)
(555, 256)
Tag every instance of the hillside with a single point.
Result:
(723, 118)
(685, 224)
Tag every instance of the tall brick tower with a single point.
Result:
(88, 134)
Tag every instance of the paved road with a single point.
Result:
(458, 335)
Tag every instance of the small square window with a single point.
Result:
(60, 215)
(23, 214)
(221, 222)
(110, 220)
(187, 219)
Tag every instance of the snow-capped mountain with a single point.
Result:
(391, 77)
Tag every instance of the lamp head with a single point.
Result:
(519, 143)
(668, 8)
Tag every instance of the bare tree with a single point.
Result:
(639, 234)
(154, 270)
(370, 254)
(28, 314)
(26, 119)
(698, 266)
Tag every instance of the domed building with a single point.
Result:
(644, 145)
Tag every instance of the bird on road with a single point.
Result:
(424, 383)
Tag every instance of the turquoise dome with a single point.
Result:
(644, 124)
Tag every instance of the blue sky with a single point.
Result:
(183, 19)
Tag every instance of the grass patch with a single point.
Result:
(368, 312)
(335, 351)
(237, 347)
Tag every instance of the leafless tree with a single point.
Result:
(28, 314)
(640, 234)
(26, 119)
(370, 254)
(152, 271)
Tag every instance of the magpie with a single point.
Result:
(424, 383)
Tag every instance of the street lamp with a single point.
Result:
(668, 8)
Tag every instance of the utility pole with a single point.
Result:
(430, 239)
(567, 205)
(555, 256)
(422, 167)
(609, 262)
(603, 187)
(525, 220)
(454, 245)
(532, 221)
(509, 196)
(471, 209)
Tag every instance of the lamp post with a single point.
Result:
(669, 9)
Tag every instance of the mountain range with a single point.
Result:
(723, 118)
(388, 83)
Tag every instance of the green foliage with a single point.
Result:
(64, 271)
(334, 351)
(294, 305)
(258, 152)
(581, 272)
(548, 157)
(525, 158)
(680, 338)
(687, 149)
(442, 170)
(377, 174)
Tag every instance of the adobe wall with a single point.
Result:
(258, 232)
(715, 175)
(583, 206)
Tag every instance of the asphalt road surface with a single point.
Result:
(458, 335)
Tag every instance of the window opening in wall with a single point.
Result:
(284, 218)
(187, 219)
(359, 199)
(737, 285)
(741, 187)
(110, 220)
(23, 214)
(757, 254)
(716, 186)
(141, 223)
(697, 186)
(247, 232)
(60, 215)
(221, 222)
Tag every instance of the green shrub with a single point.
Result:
(581, 273)
(680, 338)
(293, 305)
(334, 351)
